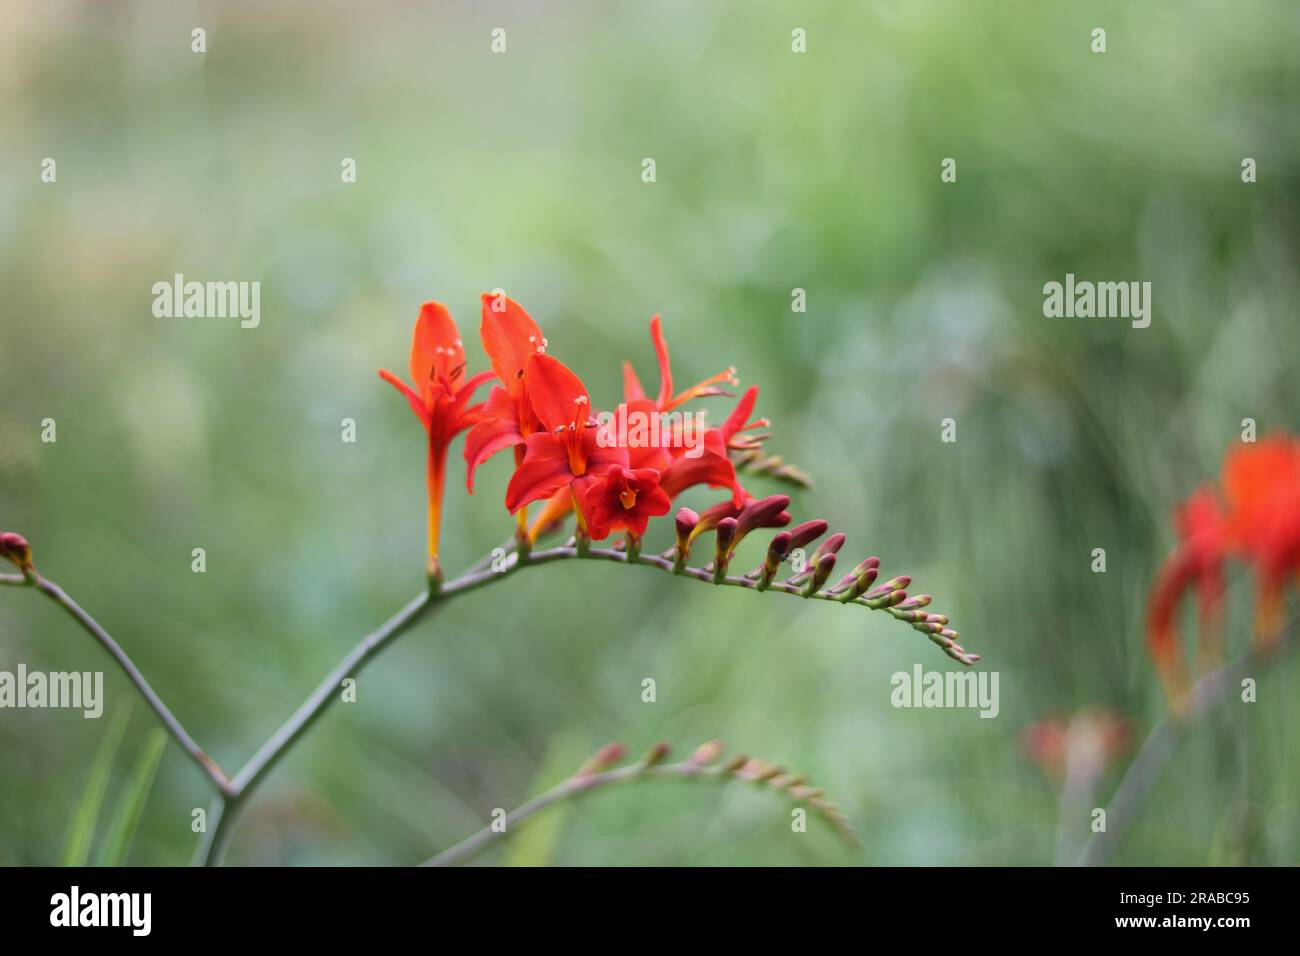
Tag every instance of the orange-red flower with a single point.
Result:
(439, 395)
(568, 448)
(621, 500)
(510, 337)
(1261, 487)
(679, 452)
(1253, 516)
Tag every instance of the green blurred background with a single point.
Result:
(775, 171)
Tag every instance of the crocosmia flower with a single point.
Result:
(510, 337)
(621, 500)
(1254, 517)
(439, 395)
(567, 450)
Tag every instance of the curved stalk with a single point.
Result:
(698, 766)
(234, 791)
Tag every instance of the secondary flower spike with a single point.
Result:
(439, 395)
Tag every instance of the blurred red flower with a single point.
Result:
(1252, 516)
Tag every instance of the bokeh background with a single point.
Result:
(775, 171)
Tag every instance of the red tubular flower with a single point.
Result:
(683, 451)
(1261, 486)
(440, 399)
(621, 500)
(1197, 562)
(1255, 517)
(510, 337)
(568, 449)
(712, 467)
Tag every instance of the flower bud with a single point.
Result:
(801, 535)
(825, 565)
(706, 753)
(15, 547)
(761, 513)
(866, 576)
(602, 759)
(686, 520)
(777, 549)
(722, 553)
(830, 546)
(657, 754)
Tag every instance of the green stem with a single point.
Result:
(233, 792)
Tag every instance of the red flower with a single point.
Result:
(440, 399)
(1198, 563)
(568, 449)
(1254, 517)
(1261, 486)
(621, 500)
(713, 467)
(510, 337)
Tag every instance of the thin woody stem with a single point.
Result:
(739, 769)
(1206, 694)
(60, 597)
(327, 691)
(233, 791)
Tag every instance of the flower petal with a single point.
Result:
(437, 354)
(557, 395)
(489, 436)
(661, 356)
(544, 470)
(509, 337)
(633, 390)
(416, 402)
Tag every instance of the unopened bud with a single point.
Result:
(761, 514)
(602, 759)
(830, 546)
(821, 572)
(686, 520)
(706, 753)
(802, 534)
(776, 552)
(15, 547)
(865, 578)
(657, 754)
(722, 553)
